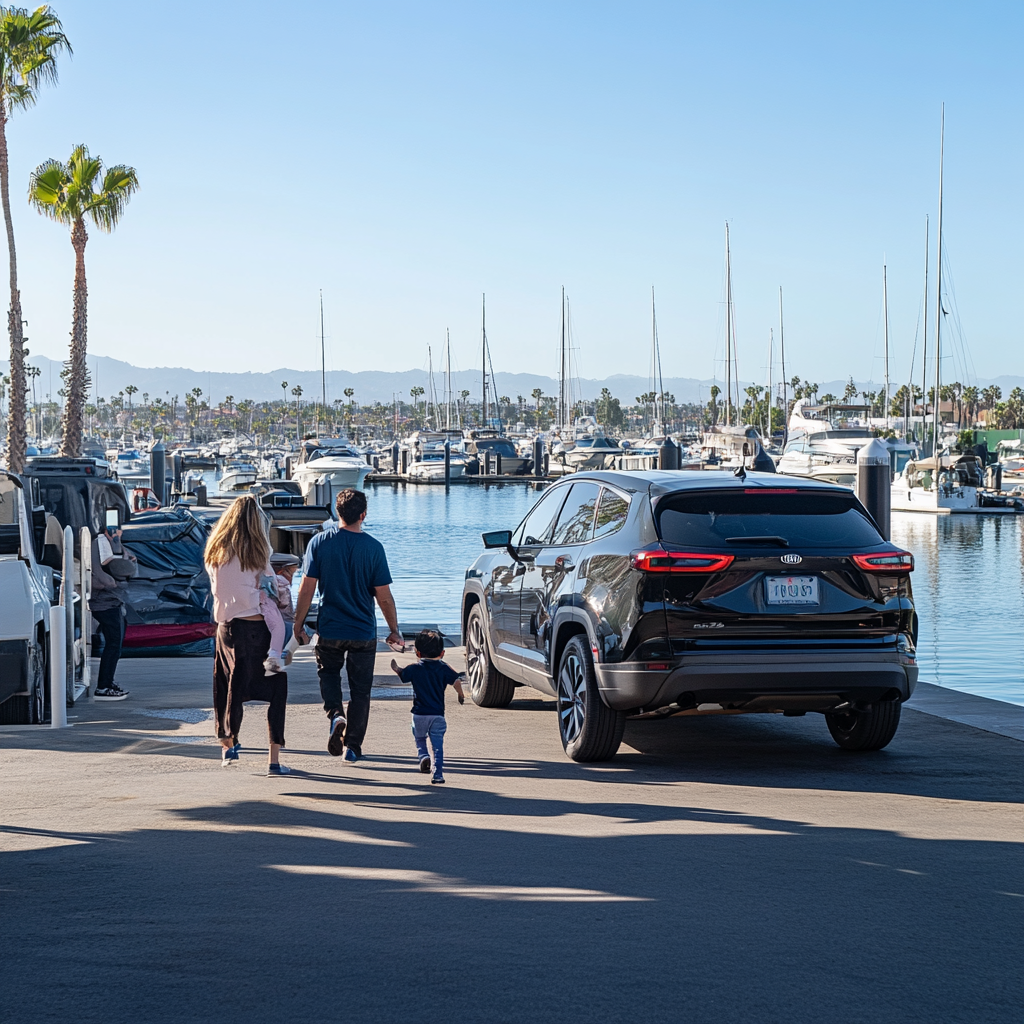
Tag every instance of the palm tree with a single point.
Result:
(130, 390)
(29, 47)
(68, 194)
(297, 392)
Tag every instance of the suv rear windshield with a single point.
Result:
(730, 520)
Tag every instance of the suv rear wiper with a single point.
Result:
(781, 541)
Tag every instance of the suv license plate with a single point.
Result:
(792, 589)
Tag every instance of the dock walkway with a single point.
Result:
(142, 881)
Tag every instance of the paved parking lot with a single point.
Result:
(729, 869)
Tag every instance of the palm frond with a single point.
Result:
(30, 43)
(69, 192)
(120, 183)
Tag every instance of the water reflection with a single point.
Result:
(969, 592)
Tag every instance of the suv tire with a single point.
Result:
(869, 730)
(590, 730)
(487, 686)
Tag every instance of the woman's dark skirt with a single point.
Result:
(238, 676)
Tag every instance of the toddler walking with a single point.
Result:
(428, 678)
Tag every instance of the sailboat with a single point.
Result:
(327, 465)
(944, 484)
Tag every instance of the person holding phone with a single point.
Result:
(351, 571)
(111, 566)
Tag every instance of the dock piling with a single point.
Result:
(874, 483)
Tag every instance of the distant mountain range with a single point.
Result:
(112, 375)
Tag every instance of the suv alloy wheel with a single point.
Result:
(590, 730)
(487, 686)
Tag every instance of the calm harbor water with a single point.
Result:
(968, 582)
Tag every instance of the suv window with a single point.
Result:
(611, 514)
(714, 518)
(536, 527)
(576, 522)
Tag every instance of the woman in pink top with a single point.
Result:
(237, 555)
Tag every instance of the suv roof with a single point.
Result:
(660, 482)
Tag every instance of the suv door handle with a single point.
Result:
(565, 562)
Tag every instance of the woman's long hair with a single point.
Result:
(241, 534)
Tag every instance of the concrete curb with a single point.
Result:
(983, 713)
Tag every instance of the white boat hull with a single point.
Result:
(949, 501)
(433, 472)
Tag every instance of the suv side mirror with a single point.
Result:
(498, 539)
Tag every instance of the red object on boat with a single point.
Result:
(168, 636)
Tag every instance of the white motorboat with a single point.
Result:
(823, 442)
(430, 467)
(238, 475)
(328, 465)
(950, 484)
(1011, 456)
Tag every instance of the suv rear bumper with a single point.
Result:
(738, 679)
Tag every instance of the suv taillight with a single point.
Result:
(885, 561)
(679, 561)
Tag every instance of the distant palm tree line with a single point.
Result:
(73, 193)
(195, 417)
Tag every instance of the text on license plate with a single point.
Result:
(792, 589)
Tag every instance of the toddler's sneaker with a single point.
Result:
(425, 764)
(273, 665)
(437, 779)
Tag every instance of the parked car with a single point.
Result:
(26, 592)
(656, 594)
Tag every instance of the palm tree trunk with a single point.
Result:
(16, 407)
(74, 404)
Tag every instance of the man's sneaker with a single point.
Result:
(336, 736)
(437, 779)
(110, 693)
(229, 755)
(425, 764)
(351, 755)
(278, 769)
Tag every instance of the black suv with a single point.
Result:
(644, 595)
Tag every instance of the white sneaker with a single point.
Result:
(273, 666)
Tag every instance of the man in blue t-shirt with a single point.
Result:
(352, 572)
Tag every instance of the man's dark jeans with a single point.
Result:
(111, 623)
(331, 657)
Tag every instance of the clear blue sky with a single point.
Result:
(406, 157)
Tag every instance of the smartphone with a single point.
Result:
(112, 520)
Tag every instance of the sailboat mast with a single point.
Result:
(448, 380)
(483, 359)
(323, 364)
(728, 330)
(924, 335)
(562, 412)
(785, 391)
(885, 317)
(937, 419)
(771, 348)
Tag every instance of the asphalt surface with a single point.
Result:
(729, 869)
